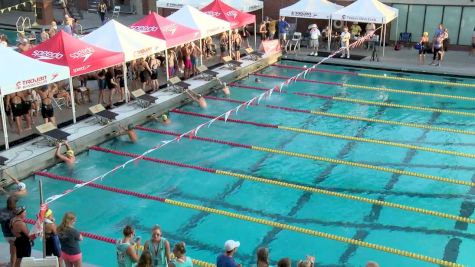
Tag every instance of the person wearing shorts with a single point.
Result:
(69, 238)
(314, 36)
(283, 30)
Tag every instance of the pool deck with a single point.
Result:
(37, 154)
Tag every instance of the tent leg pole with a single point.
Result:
(73, 104)
(201, 52)
(397, 26)
(126, 86)
(255, 35)
(384, 41)
(329, 35)
(166, 65)
(4, 123)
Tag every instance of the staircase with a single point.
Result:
(73, 9)
(93, 6)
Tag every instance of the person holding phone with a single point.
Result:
(126, 248)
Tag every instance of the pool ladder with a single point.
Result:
(22, 24)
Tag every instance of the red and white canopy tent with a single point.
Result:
(27, 73)
(174, 34)
(207, 25)
(79, 56)
(236, 18)
(116, 37)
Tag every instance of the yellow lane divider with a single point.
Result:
(315, 233)
(380, 142)
(413, 125)
(346, 196)
(362, 165)
(374, 103)
(408, 92)
(415, 80)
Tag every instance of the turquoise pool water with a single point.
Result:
(105, 213)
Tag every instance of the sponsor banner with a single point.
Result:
(47, 55)
(145, 29)
(358, 18)
(143, 52)
(83, 54)
(231, 13)
(304, 14)
(35, 82)
(213, 13)
(171, 5)
(171, 28)
(270, 47)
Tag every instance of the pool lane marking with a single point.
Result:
(114, 241)
(316, 158)
(371, 88)
(291, 185)
(375, 103)
(337, 136)
(348, 117)
(379, 76)
(258, 220)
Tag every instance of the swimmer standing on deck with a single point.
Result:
(68, 157)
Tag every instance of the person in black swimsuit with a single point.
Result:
(112, 83)
(15, 102)
(237, 44)
(47, 110)
(22, 241)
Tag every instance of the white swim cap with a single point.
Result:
(21, 186)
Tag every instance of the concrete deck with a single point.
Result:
(36, 154)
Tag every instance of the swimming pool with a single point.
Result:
(105, 213)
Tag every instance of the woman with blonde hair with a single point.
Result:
(159, 247)
(69, 238)
(423, 47)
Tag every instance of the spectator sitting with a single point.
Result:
(226, 259)
(19, 189)
(285, 262)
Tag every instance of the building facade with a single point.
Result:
(415, 16)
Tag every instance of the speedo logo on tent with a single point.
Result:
(231, 13)
(83, 53)
(145, 28)
(170, 28)
(47, 55)
(213, 13)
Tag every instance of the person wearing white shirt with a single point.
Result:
(345, 42)
(314, 36)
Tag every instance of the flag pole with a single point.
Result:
(40, 186)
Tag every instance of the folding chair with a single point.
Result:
(102, 115)
(177, 86)
(143, 100)
(295, 42)
(230, 63)
(59, 102)
(405, 37)
(254, 55)
(205, 73)
(51, 133)
(116, 12)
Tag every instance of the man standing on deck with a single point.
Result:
(283, 30)
(226, 259)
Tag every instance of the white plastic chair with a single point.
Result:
(295, 41)
(116, 12)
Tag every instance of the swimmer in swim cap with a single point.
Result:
(19, 189)
(257, 80)
(69, 158)
(198, 98)
(127, 131)
(226, 89)
(165, 119)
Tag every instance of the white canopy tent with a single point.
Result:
(195, 19)
(247, 5)
(116, 37)
(369, 11)
(312, 9)
(28, 73)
